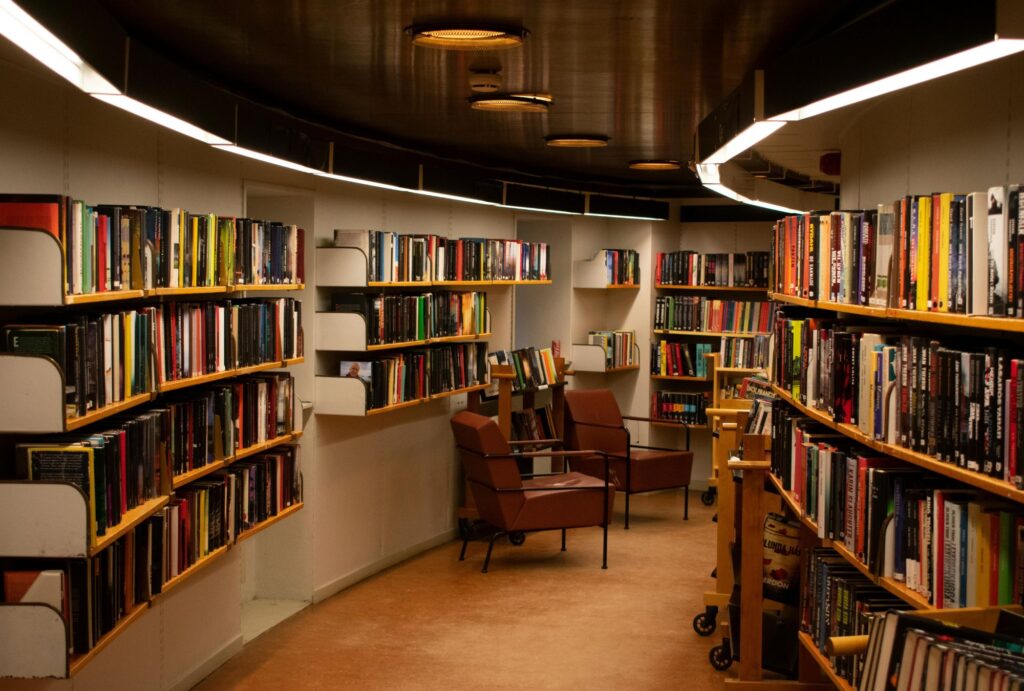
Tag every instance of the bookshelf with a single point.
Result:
(52, 520)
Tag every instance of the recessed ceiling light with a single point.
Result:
(464, 36)
(655, 164)
(513, 103)
(576, 141)
(485, 81)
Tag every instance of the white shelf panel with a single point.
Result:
(341, 267)
(31, 268)
(340, 396)
(35, 642)
(590, 273)
(45, 519)
(340, 331)
(32, 398)
(588, 358)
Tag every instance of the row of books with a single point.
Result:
(404, 318)
(534, 424)
(689, 268)
(93, 594)
(420, 373)
(838, 600)
(909, 651)
(943, 252)
(623, 267)
(111, 247)
(136, 457)
(695, 313)
(619, 347)
(746, 352)
(197, 338)
(676, 359)
(105, 358)
(393, 257)
(955, 547)
(961, 405)
(533, 367)
(682, 407)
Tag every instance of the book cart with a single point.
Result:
(52, 520)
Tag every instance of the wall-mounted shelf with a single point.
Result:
(711, 334)
(30, 633)
(176, 384)
(346, 332)
(260, 527)
(669, 377)
(183, 479)
(593, 358)
(712, 289)
(347, 396)
(592, 274)
(204, 562)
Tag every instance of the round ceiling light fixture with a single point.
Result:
(655, 164)
(576, 141)
(485, 81)
(512, 103)
(466, 36)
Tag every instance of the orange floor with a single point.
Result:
(541, 619)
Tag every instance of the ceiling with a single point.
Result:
(642, 72)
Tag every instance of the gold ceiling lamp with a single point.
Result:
(466, 36)
(512, 103)
(576, 141)
(655, 164)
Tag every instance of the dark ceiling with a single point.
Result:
(642, 72)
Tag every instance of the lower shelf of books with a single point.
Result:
(182, 479)
(260, 527)
(348, 396)
(191, 571)
(826, 665)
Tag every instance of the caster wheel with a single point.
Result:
(517, 538)
(720, 658)
(707, 497)
(704, 624)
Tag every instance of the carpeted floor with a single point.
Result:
(541, 619)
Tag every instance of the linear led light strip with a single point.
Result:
(710, 177)
(25, 32)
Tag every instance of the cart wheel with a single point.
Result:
(720, 658)
(517, 538)
(705, 623)
(707, 497)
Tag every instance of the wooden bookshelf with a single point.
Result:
(128, 521)
(823, 662)
(74, 423)
(966, 321)
(105, 296)
(187, 291)
(176, 384)
(191, 571)
(290, 362)
(264, 287)
(711, 289)
(183, 479)
(80, 661)
(794, 506)
(1000, 488)
(711, 334)
(463, 284)
(260, 527)
(672, 377)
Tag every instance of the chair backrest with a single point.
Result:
(593, 421)
(489, 466)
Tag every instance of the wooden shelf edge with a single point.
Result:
(128, 521)
(106, 296)
(719, 289)
(268, 287)
(289, 362)
(826, 666)
(78, 662)
(191, 571)
(197, 473)
(1000, 488)
(711, 334)
(259, 448)
(176, 384)
(669, 377)
(188, 290)
(260, 527)
(107, 411)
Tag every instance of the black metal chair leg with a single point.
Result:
(465, 543)
(686, 503)
(563, 539)
(604, 548)
(490, 547)
(627, 510)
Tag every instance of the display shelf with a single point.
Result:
(346, 332)
(209, 559)
(588, 357)
(290, 362)
(397, 284)
(992, 485)
(347, 396)
(74, 423)
(129, 520)
(176, 384)
(463, 284)
(794, 506)
(712, 289)
(183, 479)
(592, 274)
(79, 661)
(264, 287)
(671, 377)
(183, 291)
(823, 662)
(34, 637)
(104, 296)
(711, 334)
(260, 527)
(966, 321)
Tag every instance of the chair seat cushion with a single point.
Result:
(578, 506)
(653, 470)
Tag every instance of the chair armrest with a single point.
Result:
(536, 442)
(654, 448)
(565, 454)
(598, 424)
(640, 418)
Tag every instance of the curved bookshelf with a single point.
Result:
(346, 396)
(182, 479)
(712, 289)
(1000, 488)
(967, 321)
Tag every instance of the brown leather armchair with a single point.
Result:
(515, 505)
(593, 421)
